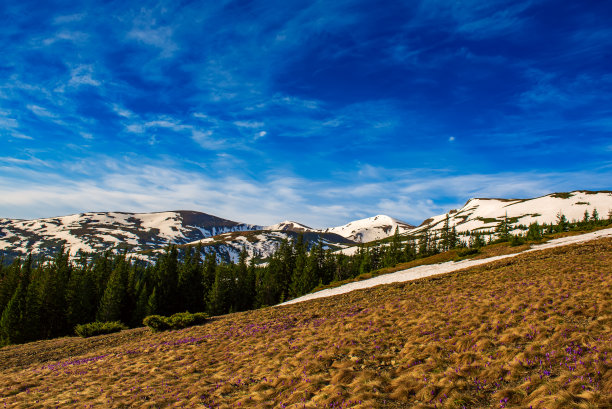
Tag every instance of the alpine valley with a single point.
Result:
(145, 235)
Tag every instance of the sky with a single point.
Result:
(320, 112)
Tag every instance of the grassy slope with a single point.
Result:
(535, 330)
(490, 250)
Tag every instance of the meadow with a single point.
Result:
(534, 331)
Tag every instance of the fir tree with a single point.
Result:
(115, 296)
(167, 282)
(562, 223)
(503, 229)
(14, 318)
(219, 299)
(53, 305)
(190, 282)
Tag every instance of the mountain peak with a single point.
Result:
(371, 228)
(288, 225)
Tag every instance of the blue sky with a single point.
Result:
(315, 111)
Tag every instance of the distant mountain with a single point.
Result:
(91, 232)
(146, 234)
(370, 229)
(261, 244)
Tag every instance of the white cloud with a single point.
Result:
(82, 75)
(249, 124)
(100, 184)
(451, 139)
(40, 111)
(70, 18)
(146, 31)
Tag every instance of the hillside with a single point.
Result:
(530, 331)
(89, 232)
(483, 215)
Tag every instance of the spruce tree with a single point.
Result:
(9, 282)
(14, 317)
(54, 308)
(152, 303)
(115, 296)
(562, 223)
(503, 229)
(445, 235)
(219, 299)
(190, 286)
(167, 282)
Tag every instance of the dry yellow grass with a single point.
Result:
(532, 331)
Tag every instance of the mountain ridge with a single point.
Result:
(151, 232)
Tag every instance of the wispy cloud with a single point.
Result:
(116, 185)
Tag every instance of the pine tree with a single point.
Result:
(9, 282)
(152, 303)
(595, 216)
(424, 244)
(453, 239)
(14, 317)
(53, 305)
(445, 235)
(410, 250)
(243, 293)
(208, 276)
(503, 229)
(586, 217)
(141, 309)
(167, 282)
(219, 299)
(190, 286)
(115, 296)
(534, 232)
(298, 280)
(562, 223)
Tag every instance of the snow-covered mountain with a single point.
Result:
(261, 244)
(89, 232)
(151, 232)
(483, 215)
(289, 226)
(370, 229)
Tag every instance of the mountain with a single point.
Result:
(483, 215)
(146, 234)
(89, 232)
(370, 229)
(261, 244)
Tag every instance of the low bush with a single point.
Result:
(177, 321)
(98, 328)
(467, 252)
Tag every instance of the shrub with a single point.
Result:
(97, 328)
(156, 323)
(177, 321)
(467, 252)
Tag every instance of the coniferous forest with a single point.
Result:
(42, 299)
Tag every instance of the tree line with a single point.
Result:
(42, 299)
